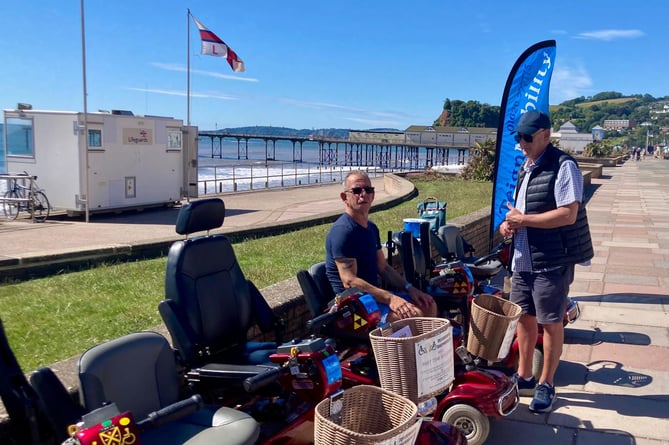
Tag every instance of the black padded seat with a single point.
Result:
(316, 288)
(456, 248)
(209, 304)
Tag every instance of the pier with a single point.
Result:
(387, 153)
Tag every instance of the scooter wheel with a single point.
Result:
(537, 363)
(473, 424)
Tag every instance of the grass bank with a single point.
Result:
(50, 319)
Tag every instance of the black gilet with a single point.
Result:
(563, 245)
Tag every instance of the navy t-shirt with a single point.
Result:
(348, 239)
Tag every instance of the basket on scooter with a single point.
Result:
(414, 357)
(493, 324)
(365, 415)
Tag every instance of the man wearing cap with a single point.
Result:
(550, 234)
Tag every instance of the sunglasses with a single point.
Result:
(358, 190)
(526, 137)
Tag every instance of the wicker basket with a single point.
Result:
(492, 327)
(417, 366)
(368, 415)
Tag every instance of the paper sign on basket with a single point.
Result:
(403, 332)
(505, 347)
(434, 363)
(406, 437)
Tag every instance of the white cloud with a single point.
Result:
(608, 35)
(318, 105)
(484, 25)
(183, 93)
(369, 118)
(183, 69)
(374, 122)
(569, 82)
(374, 117)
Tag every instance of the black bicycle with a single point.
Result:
(28, 198)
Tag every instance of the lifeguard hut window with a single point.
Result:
(94, 138)
(20, 137)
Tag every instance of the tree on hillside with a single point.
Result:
(606, 95)
(468, 114)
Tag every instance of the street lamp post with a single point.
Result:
(647, 125)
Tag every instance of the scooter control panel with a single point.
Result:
(312, 344)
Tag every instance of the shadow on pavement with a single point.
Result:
(625, 298)
(589, 191)
(511, 431)
(604, 372)
(596, 336)
(154, 216)
(636, 406)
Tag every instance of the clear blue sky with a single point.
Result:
(310, 64)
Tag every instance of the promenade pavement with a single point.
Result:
(612, 382)
(23, 243)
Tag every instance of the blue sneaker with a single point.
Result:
(544, 396)
(525, 387)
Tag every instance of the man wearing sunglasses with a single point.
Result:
(550, 234)
(354, 258)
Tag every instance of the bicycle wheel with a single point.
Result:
(11, 208)
(42, 207)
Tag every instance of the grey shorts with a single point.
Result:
(543, 294)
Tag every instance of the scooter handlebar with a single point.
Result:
(494, 255)
(324, 319)
(253, 384)
(172, 412)
(487, 258)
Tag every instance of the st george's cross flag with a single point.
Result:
(214, 46)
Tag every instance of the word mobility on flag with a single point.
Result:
(526, 89)
(214, 46)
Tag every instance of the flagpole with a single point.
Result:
(188, 68)
(83, 65)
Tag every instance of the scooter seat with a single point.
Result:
(231, 427)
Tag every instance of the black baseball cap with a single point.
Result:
(532, 121)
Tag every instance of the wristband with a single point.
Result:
(408, 286)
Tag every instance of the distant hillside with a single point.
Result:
(286, 132)
(303, 133)
(584, 112)
(618, 101)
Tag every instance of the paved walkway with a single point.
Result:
(612, 383)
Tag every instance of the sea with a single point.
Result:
(225, 168)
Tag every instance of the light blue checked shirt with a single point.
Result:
(568, 188)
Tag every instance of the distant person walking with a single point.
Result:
(550, 234)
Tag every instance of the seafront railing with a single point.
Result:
(261, 175)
